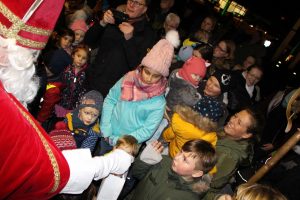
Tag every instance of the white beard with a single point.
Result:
(17, 70)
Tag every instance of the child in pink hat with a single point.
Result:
(183, 83)
(79, 27)
(135, 105)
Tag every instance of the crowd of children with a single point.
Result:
(111, 88)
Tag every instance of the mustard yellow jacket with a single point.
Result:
(180, 131)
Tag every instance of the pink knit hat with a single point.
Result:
(79, 24)
(159, 58)
(194, 65)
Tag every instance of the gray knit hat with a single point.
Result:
(93, 95)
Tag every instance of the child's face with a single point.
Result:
(212, 87)
(79, 35)
(196, 78)
(197, 54)
(88, 115)
(66, 41)
(150, 76)
(79, 58)
(184, 165)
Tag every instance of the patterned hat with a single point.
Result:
(29, 22)
(63, 139)
(93, 95)
(210, 108)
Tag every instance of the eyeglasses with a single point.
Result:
(135, 3)
(224, 51)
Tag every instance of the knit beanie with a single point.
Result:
(185, 52)
(224, 78)
(79, 24)
(63, 139)
(194, 65)
(210, 108)
(159, 58)
(93, 95)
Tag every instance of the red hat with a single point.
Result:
(29, 22)
(79, 24)
(194, 65)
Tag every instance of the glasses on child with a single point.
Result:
(135, 3)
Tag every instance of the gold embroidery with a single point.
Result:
(47, 148)
(17, 25)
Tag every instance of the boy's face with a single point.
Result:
(88, 115)
(184, 165)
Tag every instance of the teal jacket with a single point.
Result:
(137, 118)
(231, 155)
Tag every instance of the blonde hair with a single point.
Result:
(172, 17)
(128, 142)
(258, 192)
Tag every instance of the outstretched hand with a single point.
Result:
(157, 146)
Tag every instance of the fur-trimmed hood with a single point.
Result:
(193, 117)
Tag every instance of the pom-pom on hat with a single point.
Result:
(224, 78)
(79, 24)
(96, 97)
(185, 52)
(29, 22)
(194, 65)
(159, 58)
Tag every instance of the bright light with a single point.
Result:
(279, 62)
(277, 65)
(251, 25)
(267, 43)
(295, 73)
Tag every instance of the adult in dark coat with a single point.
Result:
(120, 47)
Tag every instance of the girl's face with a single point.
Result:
(207, 24)
(66, 41)
(79, 35)
(220, 51)
(79, 58)
(253, 76)
(212, 87)
(149, 76)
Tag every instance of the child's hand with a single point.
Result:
(157, 146)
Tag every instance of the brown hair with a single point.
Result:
(82, 47)
(204, 152)
(129, 142)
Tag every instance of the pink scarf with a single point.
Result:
(133, 88)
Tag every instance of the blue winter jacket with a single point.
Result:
(137, 118)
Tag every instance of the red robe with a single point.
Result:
(31, 166)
